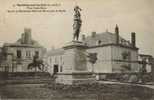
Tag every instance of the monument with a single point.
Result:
(75, 67)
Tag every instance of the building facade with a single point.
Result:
(55, 60)
(114, 54)
(15, 57)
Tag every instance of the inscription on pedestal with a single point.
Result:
(80, 60)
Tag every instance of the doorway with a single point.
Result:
(55, 69)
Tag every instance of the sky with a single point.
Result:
(54, 29)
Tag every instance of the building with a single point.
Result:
(15, 57)
(54, 60)
(114, 54)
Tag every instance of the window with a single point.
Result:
(61, 68)
(19, 54)
(126, 56)
(28, 54)
(98, 42)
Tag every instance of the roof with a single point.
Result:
(18, 43)
(55, 52)
(105, 38)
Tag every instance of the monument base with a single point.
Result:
(75, 65)
(75, 78)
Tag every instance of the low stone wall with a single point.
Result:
(74, 78)
(125, 77)
(26, 77)
(28, 74)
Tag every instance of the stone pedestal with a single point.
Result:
(75, 65)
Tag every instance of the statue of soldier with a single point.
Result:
(77, 22)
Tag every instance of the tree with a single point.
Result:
(37, 63)
(92, 59)
(143, 71)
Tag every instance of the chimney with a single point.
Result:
(93, 34)
(83, 37)
(27, 32)
(22, 38)
(117, 34)
(133, 39)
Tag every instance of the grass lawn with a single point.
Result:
(93, 91)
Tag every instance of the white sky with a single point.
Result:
(97, 15)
